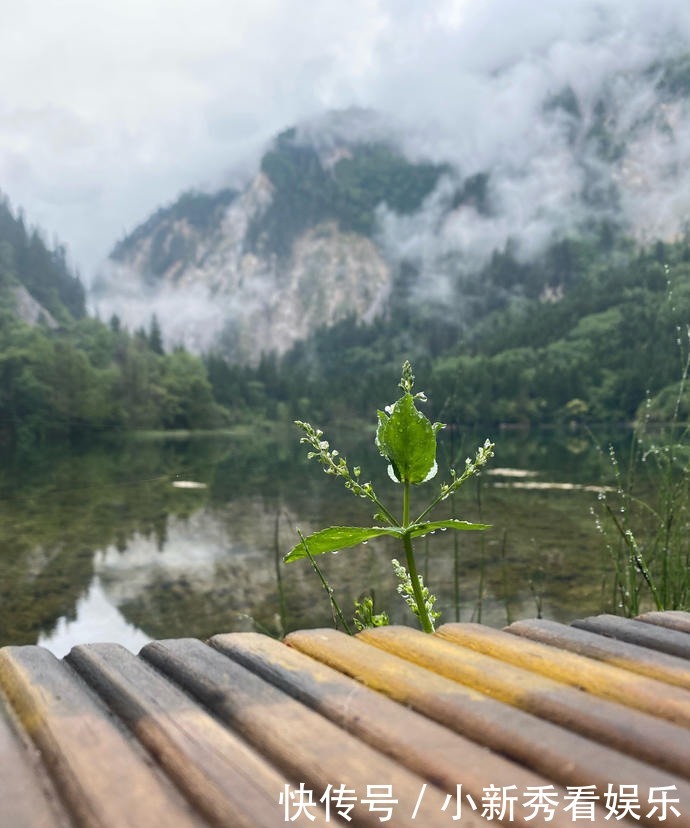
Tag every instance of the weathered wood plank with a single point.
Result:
(434, 752)
(603, 680)
(646, 662)
(105, 780)
(638, 632)
(614, 725)
(563, 757)
(27, 800)
(672, 619)
(224, 778)
(308, 747)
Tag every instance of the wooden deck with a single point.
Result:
(538, 724)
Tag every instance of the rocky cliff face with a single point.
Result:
(31, 311)
(213, 291)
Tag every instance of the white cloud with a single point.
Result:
(109, 108)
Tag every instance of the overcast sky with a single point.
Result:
(110, 108)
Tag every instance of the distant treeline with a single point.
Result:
(588, 332)
(70, 375)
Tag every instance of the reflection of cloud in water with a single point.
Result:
(96, 620)
(194, 548)
(225, 559)
(213, 571)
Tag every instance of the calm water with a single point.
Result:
(184, 537)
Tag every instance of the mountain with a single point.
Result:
(255, 270)
(36, 282)
(350, 216)
(66, 375)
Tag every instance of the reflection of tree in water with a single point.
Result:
(57, 508)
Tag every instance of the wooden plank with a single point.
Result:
(608, 682)
(646, 662)
(614, 725)
(222, 776)
(436, 753)
(104, 779)
(27, 800)
(309, 748)
(638, 632)
(563, 757)
(672, 619)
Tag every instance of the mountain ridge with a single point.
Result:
(220, 268)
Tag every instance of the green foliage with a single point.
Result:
(645, 523)
(407, 439)
(365, 618)
(306, 193)
(84, 377)
(25, 259)
(89, 379)
(596, 321)
(375, 174)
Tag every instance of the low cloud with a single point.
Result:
(111, 109)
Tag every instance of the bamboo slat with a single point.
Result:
(655, 636)
(422, 745)
(540, 724)
(306, 746)
(642, 660)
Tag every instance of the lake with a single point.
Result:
(184, 536)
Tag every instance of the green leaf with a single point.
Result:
(408, 440)
(337, 537)
(418, 530)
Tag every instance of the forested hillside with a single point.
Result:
(64, 374)
(26, 261)
(593, 352)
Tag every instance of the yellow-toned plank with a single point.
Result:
(564, 757)
(225, 778)
(635, 733)
(608, 682)
(103, 777)
(646, 662)
(655, 637)
(672, 619)
(27, 800)
(309, 748)
(436, 753)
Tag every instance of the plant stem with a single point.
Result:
(427, 625)
(329, 591)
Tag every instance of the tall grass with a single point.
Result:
(645, 523)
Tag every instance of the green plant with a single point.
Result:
(407, 439)
(365, 617)
(645, 523)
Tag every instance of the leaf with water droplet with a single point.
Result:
(336, 538)
(418, 530)
(407, 439)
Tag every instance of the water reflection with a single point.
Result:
(96, 619)
(106, 544)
